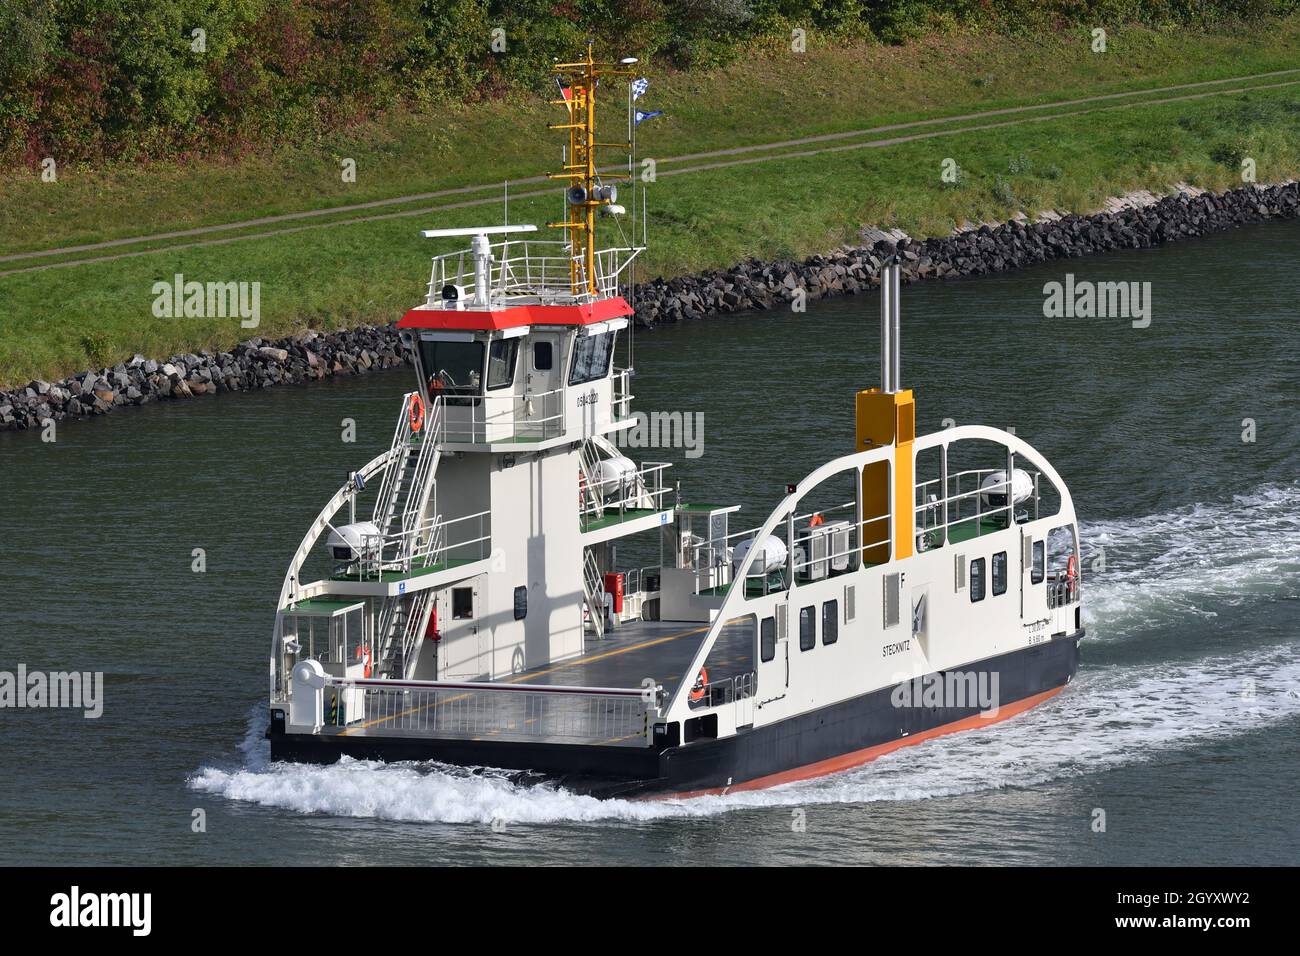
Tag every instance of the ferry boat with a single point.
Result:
(472, 608)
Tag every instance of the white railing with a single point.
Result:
(621, 405)
(725, 690)
(536, 269)
(608, 716)
(709, 555)
(506, 417)
(431, 542)
(963, 507)
(641, 490)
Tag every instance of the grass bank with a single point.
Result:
(319, 274)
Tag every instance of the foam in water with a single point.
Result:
(1191, 562)
(1108, 717)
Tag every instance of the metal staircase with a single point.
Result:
(403, 621)
(405, 492)
(593, 589)
(409, 481)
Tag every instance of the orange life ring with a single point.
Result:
(701, 682)
(417, 412)
(1071, 568)
(363, 654)
(816, 520)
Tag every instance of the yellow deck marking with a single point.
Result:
(524, 677)
(521, 678)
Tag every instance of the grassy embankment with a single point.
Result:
(328, 273)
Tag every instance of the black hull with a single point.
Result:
(807, 745)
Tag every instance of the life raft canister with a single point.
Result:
(363, 654)
(417, 412)
(701, 682)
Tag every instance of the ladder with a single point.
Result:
(409, 481)
(408, 486)
(593, 589)
(403, 622)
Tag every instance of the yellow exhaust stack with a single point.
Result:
(887, 416)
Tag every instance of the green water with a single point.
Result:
(1181, 728)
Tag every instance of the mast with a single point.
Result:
(584, 194)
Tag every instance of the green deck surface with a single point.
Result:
(609, 520)
(389, 577)
(973, 528)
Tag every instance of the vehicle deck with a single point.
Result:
(624, 657)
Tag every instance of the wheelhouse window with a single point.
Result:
(452, 368)
(807, 628)
(591, 358)
(977, 580)
(830, 622)
(767, 639)
(502, 356)
(999, 573)
(1038, 570)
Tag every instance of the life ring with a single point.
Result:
(363, 654)
(417, 412)
(816, 520)
(1072, 569)
(701, 682)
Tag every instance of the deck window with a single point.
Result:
(502, 358)
(830, 622)
(1037, 570)
(999, 573)
(591, 357)
(767, 639)
(977, 580)
(521, 602)
(807, 628)
(462, 603)
(543, 356)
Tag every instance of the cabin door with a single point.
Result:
(1033, 587)
(773, 655)
(545, 374)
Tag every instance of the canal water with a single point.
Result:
(1178, 743)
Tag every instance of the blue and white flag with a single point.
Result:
(640, 115)
(639, 87)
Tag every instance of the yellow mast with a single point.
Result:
(580, 165)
